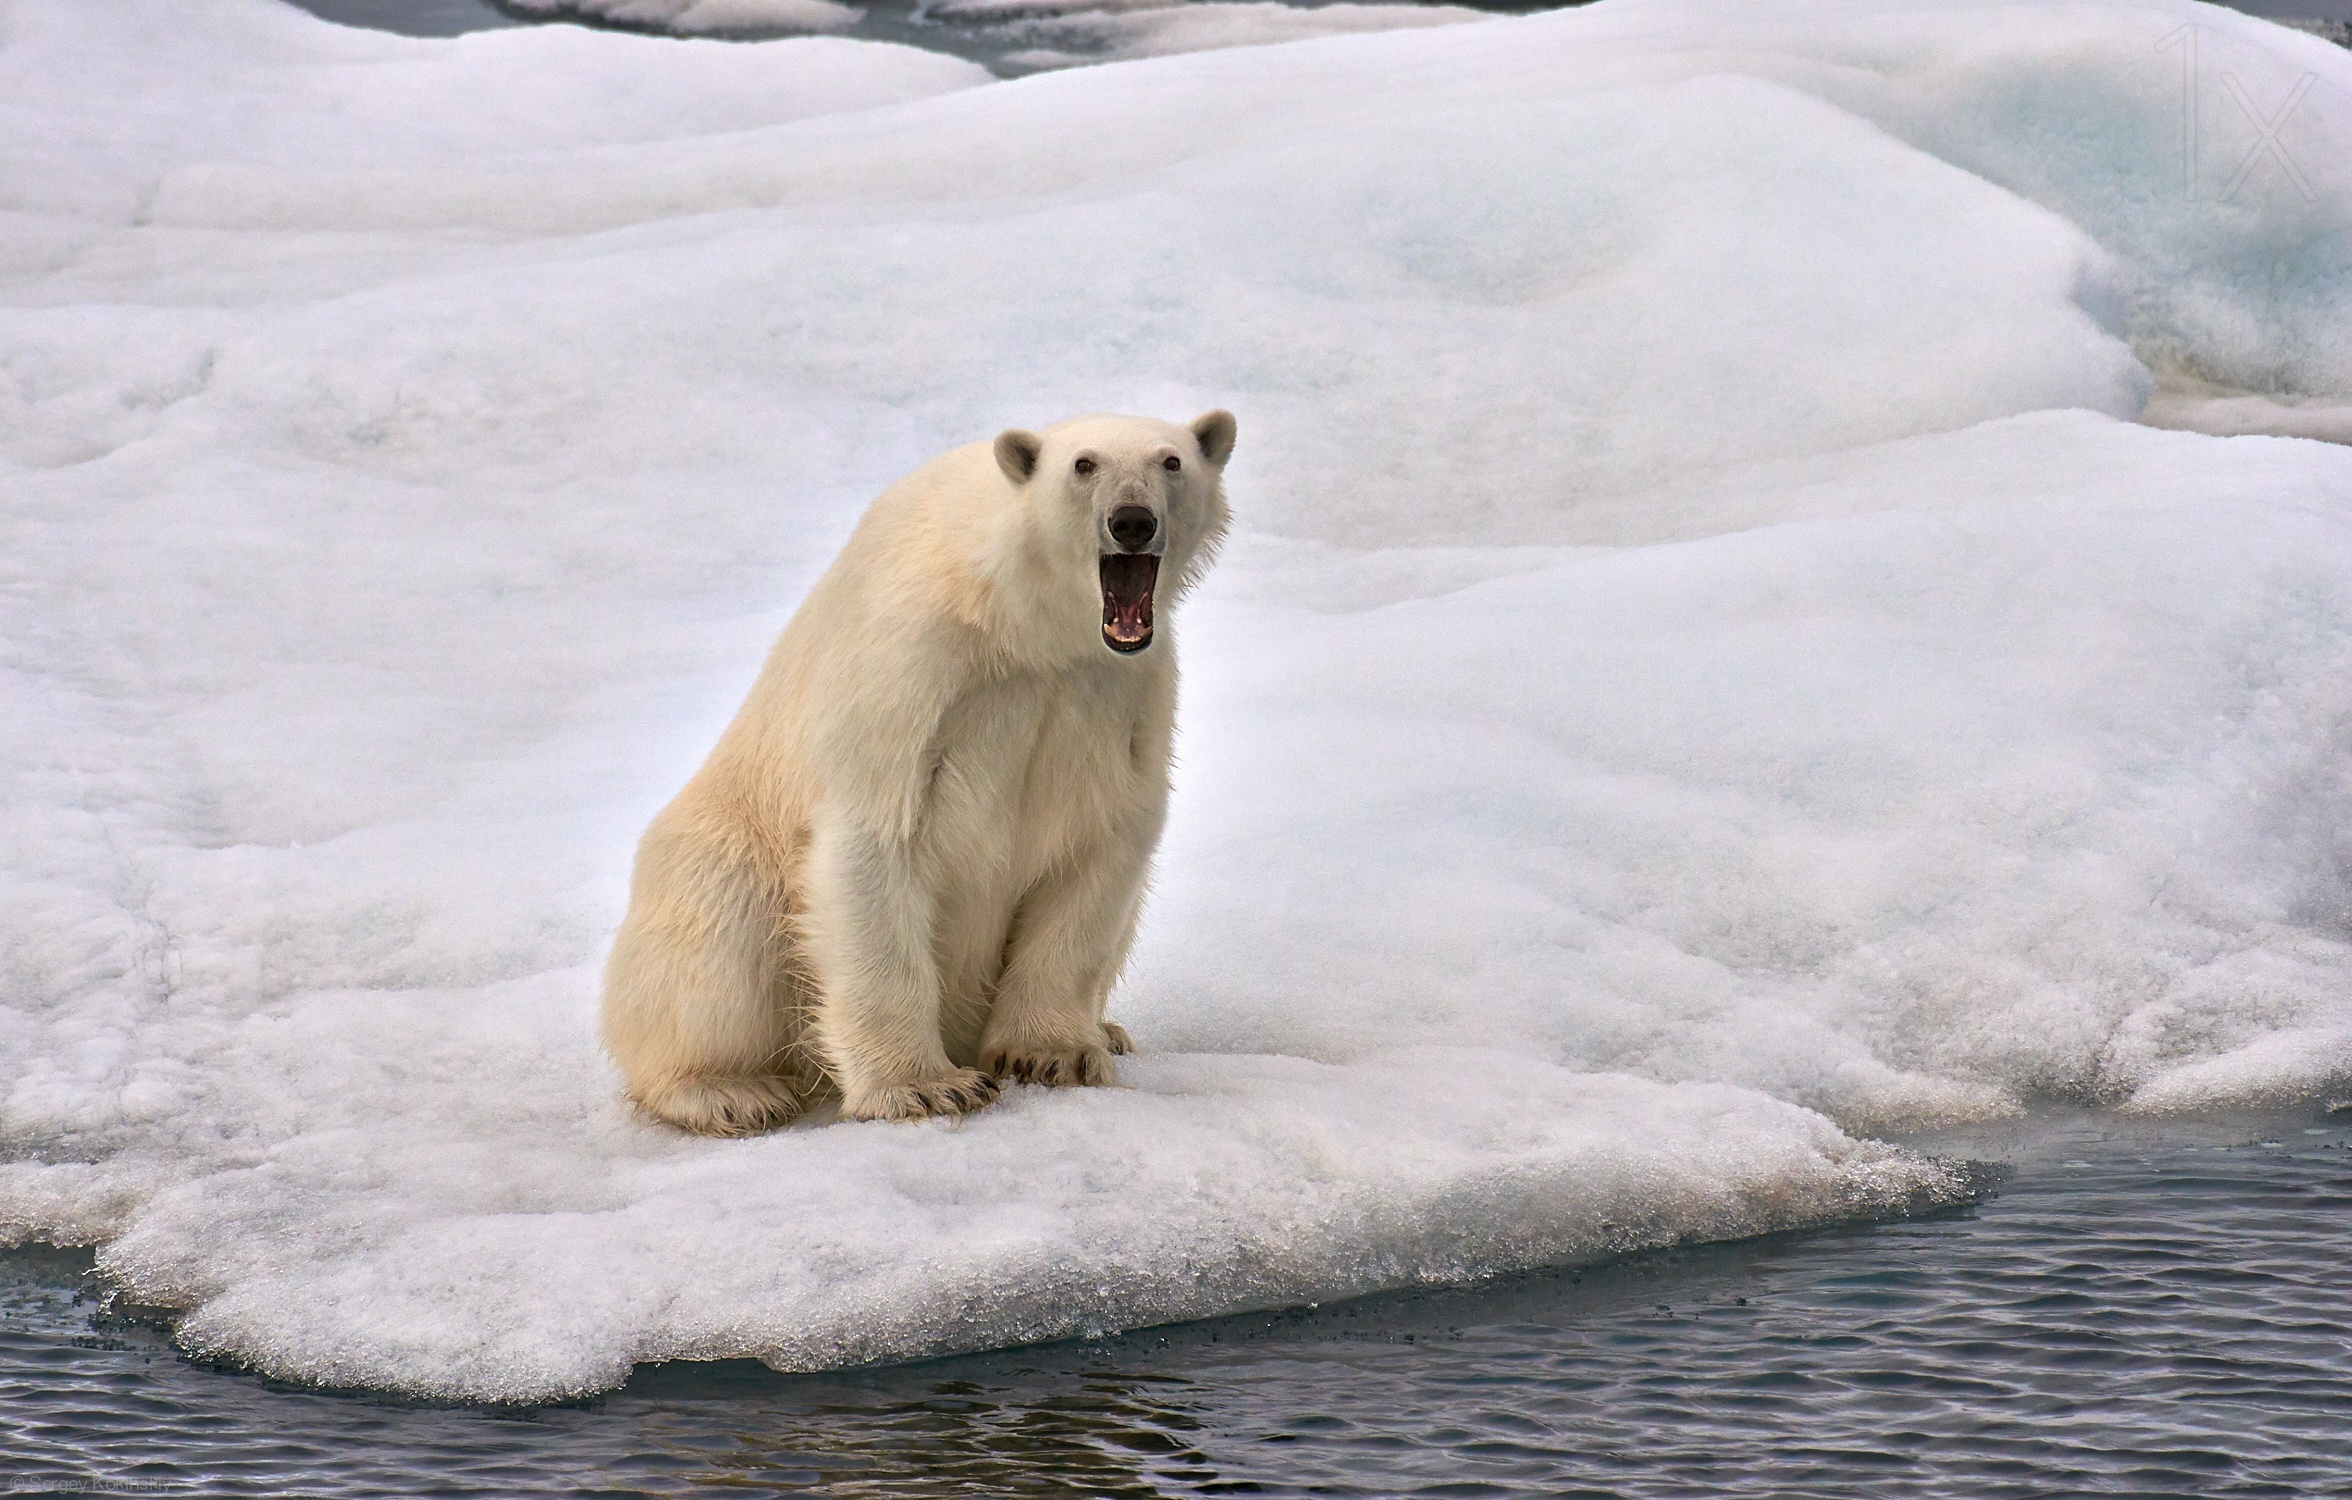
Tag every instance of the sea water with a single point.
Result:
(2125, 1310)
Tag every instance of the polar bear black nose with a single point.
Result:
(1133, 527)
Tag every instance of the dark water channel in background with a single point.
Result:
(2146, 1310)
(989, 43)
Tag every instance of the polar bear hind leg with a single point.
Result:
(743, 1105)
(695, 1007)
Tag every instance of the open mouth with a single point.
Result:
(1127, 579)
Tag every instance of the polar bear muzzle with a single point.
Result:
(1127, 582)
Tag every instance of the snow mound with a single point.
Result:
(1709, 664)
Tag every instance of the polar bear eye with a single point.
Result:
(1085, 466)
(1171, 463)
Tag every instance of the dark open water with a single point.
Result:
(997, 44)
(2146, 1311)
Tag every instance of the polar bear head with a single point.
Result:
(1133, 506)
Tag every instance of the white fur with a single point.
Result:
(913, 864)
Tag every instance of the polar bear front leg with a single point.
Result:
(868, 927)
(1068, 942)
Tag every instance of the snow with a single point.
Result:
(1710, 669)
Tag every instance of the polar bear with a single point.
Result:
(913, 864)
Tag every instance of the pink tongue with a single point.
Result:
(1127, 596)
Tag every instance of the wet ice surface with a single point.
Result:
(2137, 1310)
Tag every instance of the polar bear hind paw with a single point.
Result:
(1054, 1067)
(724, 1106)
(1115, 1037)
(956, 1092)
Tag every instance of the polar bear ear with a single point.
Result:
(1215, 432)
(1016, 453)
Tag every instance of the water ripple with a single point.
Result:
(2155, 1314)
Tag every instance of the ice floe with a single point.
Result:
(1710, 668)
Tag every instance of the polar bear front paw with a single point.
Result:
(1055, 1066)
(958, 1091)
(1116, 1038)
